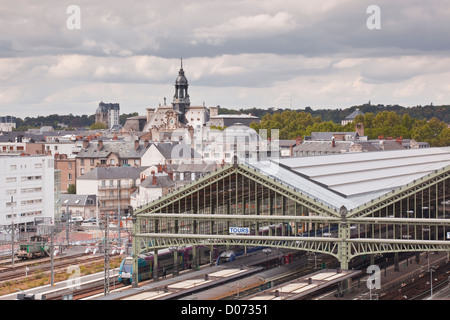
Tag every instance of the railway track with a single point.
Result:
(418, 287)
(88, 292)
(81, 294)
(60, 264)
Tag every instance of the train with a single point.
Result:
(232, 255)
(37, 247)
(165, 261)
(278, 229)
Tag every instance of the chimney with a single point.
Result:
(153, 179)
(100, 144)
(298, 141)
(333, 143)
(213, 111)
(136, 144)
(150, 112)
(360, 129)
(170, 175)
(85, 143)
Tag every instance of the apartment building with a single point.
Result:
(27, 190)
(113, 186)
(111, 154)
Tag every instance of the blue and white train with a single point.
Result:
(165, 260)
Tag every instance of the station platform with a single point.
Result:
(305, 286)
(183, 284)
(388, 278)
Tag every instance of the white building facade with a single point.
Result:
(27, 190)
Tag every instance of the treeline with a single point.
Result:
(60, 121)
(292, 124)
(336, 115)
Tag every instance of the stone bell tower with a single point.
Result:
(181, 97)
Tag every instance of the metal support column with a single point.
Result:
(106, 248)
(155, 265)
(134, 275)
(344, 234)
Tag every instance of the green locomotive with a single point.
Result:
(35, 248)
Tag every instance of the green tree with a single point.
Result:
(430, 132)
(72, 189)
(98, 125)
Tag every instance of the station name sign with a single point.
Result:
(239, 230)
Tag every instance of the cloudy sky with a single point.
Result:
(236, 54)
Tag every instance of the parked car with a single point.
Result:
(76, 219)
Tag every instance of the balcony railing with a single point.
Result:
(114, 197)
(115, 187)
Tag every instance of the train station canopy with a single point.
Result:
(353, 179)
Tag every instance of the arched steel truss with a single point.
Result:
(415, 217)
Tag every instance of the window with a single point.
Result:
(13, 167)
(38, 165)
(70, 165)
(11, 179)
(70, 176)
(82, 162)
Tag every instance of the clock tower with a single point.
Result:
(181, 97)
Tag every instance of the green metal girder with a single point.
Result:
(363, 246)
(314, 244)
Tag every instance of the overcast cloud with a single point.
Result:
(237, 54)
